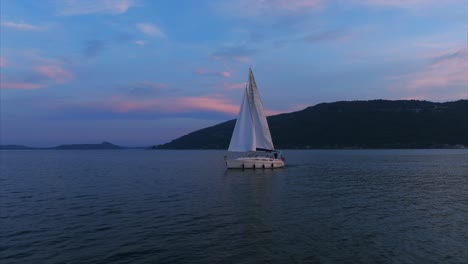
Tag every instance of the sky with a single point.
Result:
(142, 72)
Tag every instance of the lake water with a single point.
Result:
(143, 206)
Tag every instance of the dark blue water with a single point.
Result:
(142, 206)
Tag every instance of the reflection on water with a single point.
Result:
(139, 206)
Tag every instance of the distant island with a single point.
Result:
(103, 145)
(352, 124)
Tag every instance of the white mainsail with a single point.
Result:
(243, 137)
(251, 131)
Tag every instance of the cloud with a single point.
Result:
(86, 7)
(22, 26)
(445, 71)
(21, 85)
(150, 30)
(55, 73)
(235, 53)
(174, 105)
(177, 105)
(152, 106)
(446, 76)
(204, 72)
(211, 103)
(441, 60)
(140, 42)
(3, 62)
(43, 73)
(93, 48)
(208, 103)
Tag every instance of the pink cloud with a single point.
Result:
(208, 103)
(426, 80)
(445, 77)
(121, 104)
(448, 70)
(115, 103)
(128, 106)
(55, 73)
(21, 26)
(20, 85)
(48, 72)
(212, 103)
(170, 105)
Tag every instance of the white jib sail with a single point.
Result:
(251, 130)
(262, 131)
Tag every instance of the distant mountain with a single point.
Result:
(14, 147)
(103, 145)
(353, 124)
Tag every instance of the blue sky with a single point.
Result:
(141, 72)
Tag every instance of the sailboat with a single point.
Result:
(252, 135)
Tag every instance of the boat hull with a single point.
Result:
(254, 163)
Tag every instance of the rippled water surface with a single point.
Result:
(140, 206)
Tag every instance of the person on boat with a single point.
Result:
(276, 155)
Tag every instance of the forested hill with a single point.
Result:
(353, 124)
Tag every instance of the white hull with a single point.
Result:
(254, 163)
